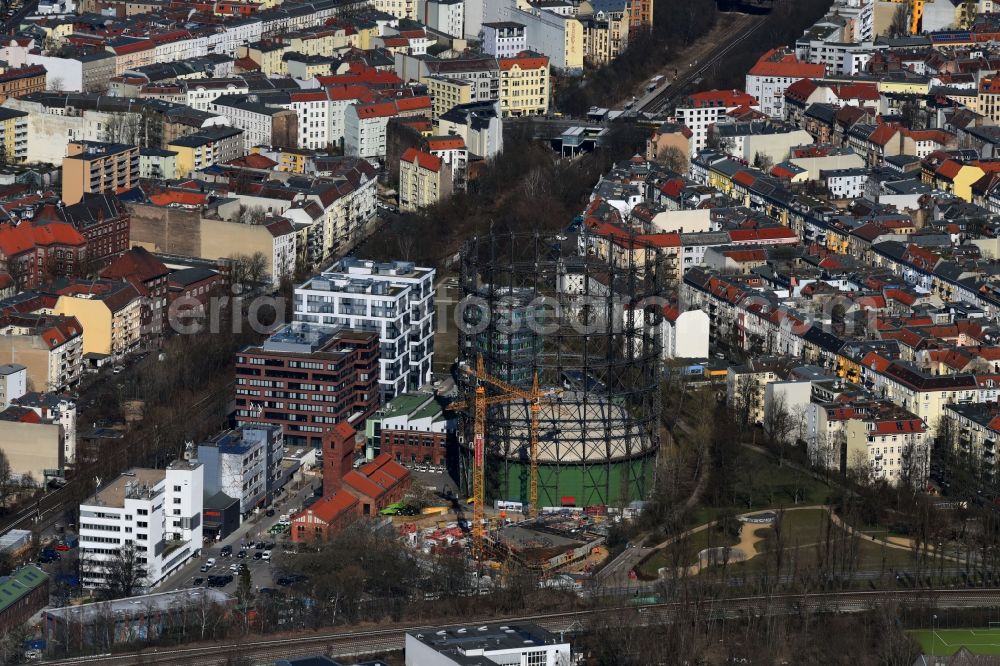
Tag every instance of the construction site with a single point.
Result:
(559, 354)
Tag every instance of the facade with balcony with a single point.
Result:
(394, 299)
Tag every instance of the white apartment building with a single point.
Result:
(503, 39)
(699, 111)
(365, 127)
(395, 299)
(157, 511)
(244, 463)
(447, 16)
(13, 383)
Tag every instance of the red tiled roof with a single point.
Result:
(524, 61)
(779, 62)
(422, 159)
(446, 143)
(720, 98)
(329, 509)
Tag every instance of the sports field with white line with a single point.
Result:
(943, 642)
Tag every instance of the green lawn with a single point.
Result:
(944, 642)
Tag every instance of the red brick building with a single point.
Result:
(325, 517)
(349, 493)
(308, 378)
(378, 484)
(102, 219)
(338, 456)
(32, 252)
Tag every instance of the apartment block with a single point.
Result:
(92, 166)
(156, 511)
(412, 429)
(13, 383)
(49, 346)
(14, 134)
(307, 378)
(393, 299)
(423, 180)
(21, 81)
(503, 39)
(524, 84)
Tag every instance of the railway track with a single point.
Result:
(382, 640)
(671, 93)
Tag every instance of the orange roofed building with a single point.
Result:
(349, 493)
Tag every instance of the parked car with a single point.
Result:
(48, 555)
(258, 554)
(266, 556)
(227, 551)
(63, 547)
(205, 567)
(269, 512)
(198, 582)
(241, 554)
(210, 561)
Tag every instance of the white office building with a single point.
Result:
(244, 463)
(396, 299)
(523, 644)
(156, 511)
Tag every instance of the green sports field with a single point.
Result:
(945, 642)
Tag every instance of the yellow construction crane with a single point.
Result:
(510, 393)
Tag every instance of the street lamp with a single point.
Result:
(933, 635)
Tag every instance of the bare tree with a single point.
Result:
(6, 479)
(900, 25)
(673, 158)
(252, 215)
(124, 575)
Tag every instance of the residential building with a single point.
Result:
(91, 166)
(447, 16)
(34, 448)
(478, 124)
(13, 135)
(205, 148)
(701, 110)
(486, 644)
(412, 429)
(524, 84)
(503, 39)
(157, 163)
(394, 299)
(423, 180)
(771, 76)
(156, 512)
(149, 277)
(110, 313)
(244, 464)
(49, 346)
(308, 377)
(21, 81)
(55, 408)
(13, 383)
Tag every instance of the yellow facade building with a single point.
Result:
(524, 85)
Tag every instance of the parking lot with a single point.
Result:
(253, 531)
